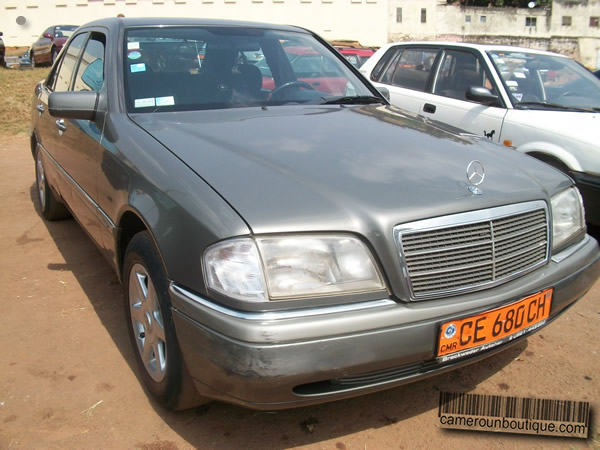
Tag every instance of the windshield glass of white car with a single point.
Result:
(547, 82)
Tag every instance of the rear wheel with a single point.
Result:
(51, 207)
(151, 328)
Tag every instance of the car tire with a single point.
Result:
(151, 327)
(51, 207)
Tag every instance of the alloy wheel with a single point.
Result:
(147, 322)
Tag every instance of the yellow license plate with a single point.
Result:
(495, 326)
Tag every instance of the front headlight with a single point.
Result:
(567, 216)
(286, 267)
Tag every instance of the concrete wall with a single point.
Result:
(359, 20)
(538, 28)
(371, 22)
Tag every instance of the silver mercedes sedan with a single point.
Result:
(283, 235)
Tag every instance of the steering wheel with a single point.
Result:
(569, 94)
(290, 85)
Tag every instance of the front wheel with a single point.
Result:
(151, 328)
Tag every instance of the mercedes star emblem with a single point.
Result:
(475, 175)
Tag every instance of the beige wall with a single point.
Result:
(362, 20)
(504, 26)
(371, 22)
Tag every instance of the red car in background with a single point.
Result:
(313, 69)
(356, 56)
(48, 45)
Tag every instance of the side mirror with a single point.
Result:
(47, 35)
(482, 95)
(73, 105)
(385, 92)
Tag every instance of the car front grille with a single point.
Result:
(462, 252)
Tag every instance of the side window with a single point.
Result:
(380, 66)
(412, 69)
(388, 74)
(62, 80)
(90, 74)
(458, 72)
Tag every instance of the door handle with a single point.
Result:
(40, 108)
(429, 108)
(60, 124)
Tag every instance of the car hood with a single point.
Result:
(301, 168)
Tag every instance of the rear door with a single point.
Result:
(49, 134)
(407, 75)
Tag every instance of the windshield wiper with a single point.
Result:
(352, 100)
(548, 105)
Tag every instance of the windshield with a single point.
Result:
(190, 68)
(547, 81)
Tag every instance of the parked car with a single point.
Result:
(356, 56)
(2, 51)
(284, 247)
(310, 67)
(544, 104)
(47, 47)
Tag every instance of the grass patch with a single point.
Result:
(16, 91)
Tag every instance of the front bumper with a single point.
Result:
(589, 186)
(286, 359)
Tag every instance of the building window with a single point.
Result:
(483, 19)
(424, 15)
(398, 15)
(468, 19)
(531, 21)
(594, 22)
(566, 21)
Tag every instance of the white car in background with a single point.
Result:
(544, 104)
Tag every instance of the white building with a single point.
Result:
(570, 26)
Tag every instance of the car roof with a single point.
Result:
(476, 46)
(132, 22)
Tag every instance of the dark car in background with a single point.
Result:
(47, 47)
(283, 245)
(2, 51)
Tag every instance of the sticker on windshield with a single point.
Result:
(144, 102)
(518, 96)
(141, 67)
(520, 75)
(133, 46)
(512, 83)
(165, 101)
(134, 55)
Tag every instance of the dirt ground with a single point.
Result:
(68, 377)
